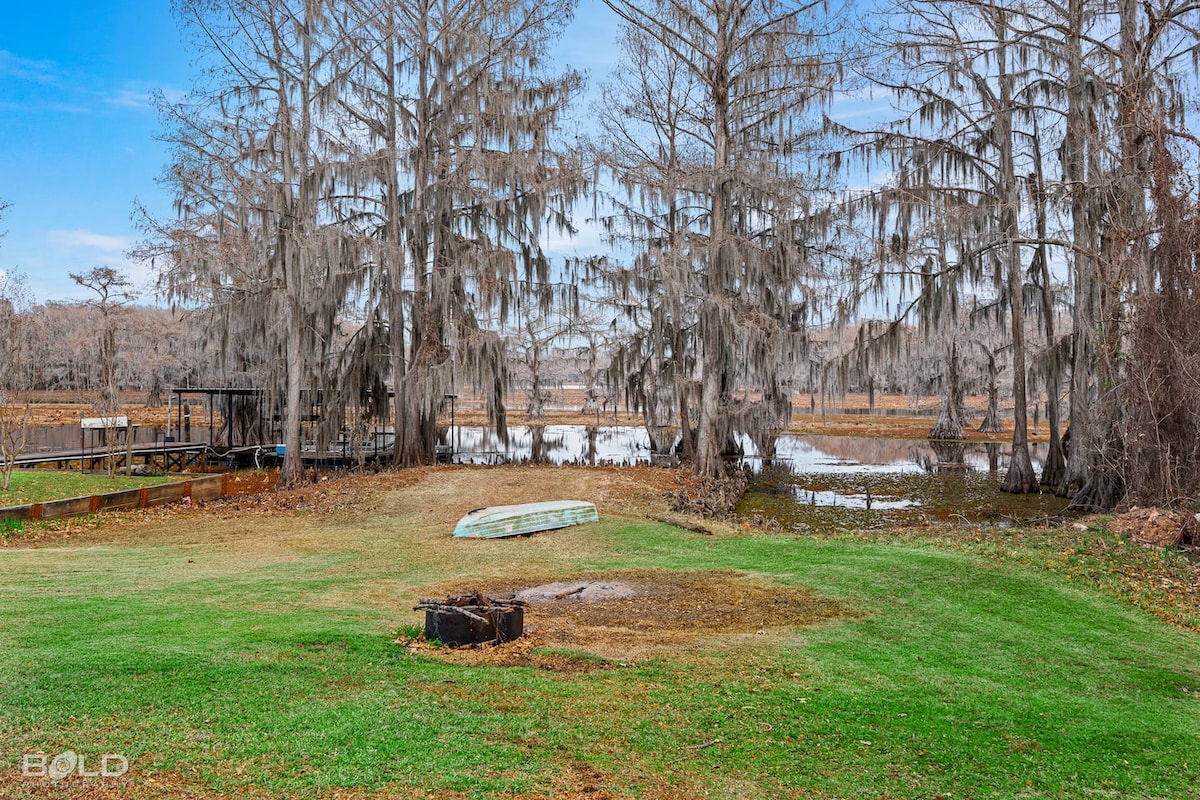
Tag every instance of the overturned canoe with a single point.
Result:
(495, 522)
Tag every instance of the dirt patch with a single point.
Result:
(633, 614)
(567, 592)
(1156, 527)
(157, 786)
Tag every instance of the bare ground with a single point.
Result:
(578, 781)
(633, 614)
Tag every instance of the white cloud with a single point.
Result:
(103, 244)
(28, 69)
(137, 99)
(140, 97)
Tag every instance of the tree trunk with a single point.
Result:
(1083, 309)
(1021, 477)
(291, 471)
(536, 410)
(687, 433)
(991, 419)
(154, 397)
(1102, 492)
(1055, 466)
(711, 434)
(1123, 266)
(683, 383)
(949, 424)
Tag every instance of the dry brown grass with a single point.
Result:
(67, 408)
(577, 781)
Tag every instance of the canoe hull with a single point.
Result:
(498, 522)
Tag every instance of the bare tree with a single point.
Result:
(720, 189)
(951, 423)
(643, 118)
(540, 331)
(991, 417)
(459, 117)
(113, 293)
(153, 354)
(1161, 393)
(1153, 49)
(14, 412)
(254, 174)
(966, 77)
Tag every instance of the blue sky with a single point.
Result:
(77, 133)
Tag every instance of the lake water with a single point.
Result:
(812, 481)
(576, 444)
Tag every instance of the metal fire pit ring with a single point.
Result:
(472, 619)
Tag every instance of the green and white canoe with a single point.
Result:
(496, 522)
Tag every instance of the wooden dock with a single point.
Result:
(166, 457)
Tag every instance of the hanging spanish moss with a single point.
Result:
(707, 149)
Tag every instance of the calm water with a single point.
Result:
(576, 444)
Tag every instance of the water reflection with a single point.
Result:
(552, 444)
(859, 481)
(578, 444)
(857, 454)
(864, 500)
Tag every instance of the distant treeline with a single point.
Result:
(156, 349)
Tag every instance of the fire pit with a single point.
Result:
(473, 619)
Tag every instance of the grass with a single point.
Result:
(229, 656)
(41, 485)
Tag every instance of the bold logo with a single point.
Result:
(70, 764)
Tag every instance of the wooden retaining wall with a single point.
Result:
(207, 487)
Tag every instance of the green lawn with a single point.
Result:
(241, 655)
(41, 485)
